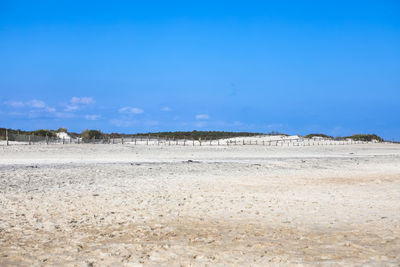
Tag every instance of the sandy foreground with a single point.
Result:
(126, 205)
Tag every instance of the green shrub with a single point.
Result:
(48, 133)
(365, 137)
(91, 134)
(318, 135)
(203, 135)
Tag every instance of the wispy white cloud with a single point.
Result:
(71, 108)
(92, 117)
(38, 108)
(130, 110)
(15, 104)
(166, 109)
(79, 102)
(82, 100)
(122, 123)
(64, 115)
(34, 103)
(202, 117)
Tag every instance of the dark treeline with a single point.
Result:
(362, 137)
(355, 137)
(41, 132)
(196, 135)
(97, 134)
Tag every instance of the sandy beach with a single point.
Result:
(127, 205)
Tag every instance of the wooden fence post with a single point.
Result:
(7, 137)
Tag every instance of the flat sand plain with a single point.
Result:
(126, 205)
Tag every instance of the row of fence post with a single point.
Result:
(200, 142)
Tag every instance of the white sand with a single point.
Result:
(113, 205)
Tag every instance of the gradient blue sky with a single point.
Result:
(138, 66)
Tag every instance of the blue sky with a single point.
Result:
(136, 66)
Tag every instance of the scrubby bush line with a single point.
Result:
(355, 137)
(198, 134)
(362, 137)
(97, 134)
(318, 135)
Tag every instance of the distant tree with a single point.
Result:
(85, 134)
(62, 130)
(277, 133)
(48, 133)
(90, 134)
(115, 135)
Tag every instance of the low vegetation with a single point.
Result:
(363, 137)
(41, 132)
(196, 135)
(92, 134)
(318, 135)
(199, 135)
